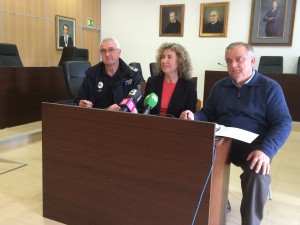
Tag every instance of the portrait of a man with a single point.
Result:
(272, 22)
(214, 25)
(66, 40)
(174, 26)
(65, 32)
(171, 20)
(272, 16)
(213, 19)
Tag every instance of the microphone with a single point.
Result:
(149, 103)
(135, 94)
(222, 65)
(128, 104)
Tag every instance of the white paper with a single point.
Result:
(235, 133)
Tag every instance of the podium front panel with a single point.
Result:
(115, 168)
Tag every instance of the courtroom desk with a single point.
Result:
(23, 89)
(290, 84)
(117, 168)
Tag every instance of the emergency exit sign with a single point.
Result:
(91, 22)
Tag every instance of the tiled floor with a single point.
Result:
(21, 190)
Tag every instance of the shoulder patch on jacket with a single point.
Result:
(133, 69)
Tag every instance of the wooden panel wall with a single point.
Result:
(31, 25)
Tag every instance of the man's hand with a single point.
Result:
(259, 161)
(114, 107)
(134, 111)
(187, 115)
(85, 103)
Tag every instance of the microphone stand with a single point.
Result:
(222, 65)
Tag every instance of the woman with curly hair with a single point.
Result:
(173, 85)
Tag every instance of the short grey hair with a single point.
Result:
(246, 45)
(118, 46)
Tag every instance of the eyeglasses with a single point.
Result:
(110, 50)
(237, 60)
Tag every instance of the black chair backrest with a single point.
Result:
(82, 54)
(153, 69)
(195, 79)
(74, 73)
(9, 55)
(298, 66)
(137, 65)
(68, 54)
(270, 64)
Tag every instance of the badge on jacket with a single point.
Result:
(100, 85)
(128, 82)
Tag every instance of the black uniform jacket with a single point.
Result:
(96, 80)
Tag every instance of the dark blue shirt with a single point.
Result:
(258, 106)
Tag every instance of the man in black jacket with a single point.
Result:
(107, 83)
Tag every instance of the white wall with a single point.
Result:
(135, 23)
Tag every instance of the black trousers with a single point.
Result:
(255, 189)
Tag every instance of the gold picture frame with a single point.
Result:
(168, 28)
(213, 19)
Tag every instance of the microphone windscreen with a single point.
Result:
(151, 100)
(126, 105)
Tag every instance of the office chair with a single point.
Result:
(270, 64)
(298, 66)
(68, 54)
(9, 55)
(195, 79)
(82, 54)
(74, 73)
(138, 66)
(153, 69)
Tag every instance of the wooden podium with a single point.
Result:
(115, 168)
(23, 89)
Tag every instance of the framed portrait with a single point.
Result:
(272, 22)
(65, 32)
(171, 20)
(213, 19)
